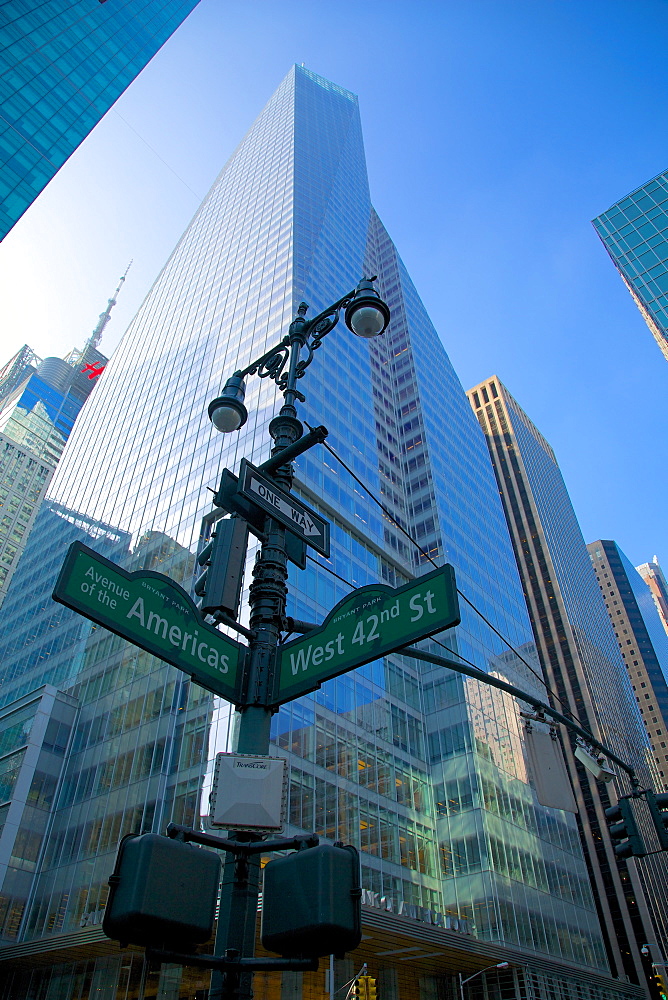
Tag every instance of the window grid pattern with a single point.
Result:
(635, 234)
(290, 218)
(65, 64)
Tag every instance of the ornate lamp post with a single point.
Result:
(367, 316)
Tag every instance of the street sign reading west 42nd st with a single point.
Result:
(151, 611)
(294, 514)
(367, 624)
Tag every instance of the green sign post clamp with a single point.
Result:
(151, 611)
(365, 625)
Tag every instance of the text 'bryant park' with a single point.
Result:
(314, 685)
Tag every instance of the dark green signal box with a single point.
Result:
(312, 902)
(163, 892)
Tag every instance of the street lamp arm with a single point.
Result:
(325, 321)
(272, 363)
(366, 316)
(463, 982)
(479, 973)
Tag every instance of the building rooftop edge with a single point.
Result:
(629, 195)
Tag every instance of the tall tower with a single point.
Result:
(634, 231)
(39, 402)
(423, 770)
(642, 642)
(65, 63)
(581, 659)
(652, 574)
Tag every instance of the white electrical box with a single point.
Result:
(249, 793)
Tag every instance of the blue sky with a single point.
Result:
(495, 131)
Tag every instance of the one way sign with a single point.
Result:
(291, 512)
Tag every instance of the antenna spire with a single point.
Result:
(96, 335)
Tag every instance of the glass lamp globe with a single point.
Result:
(227, 413)
(367, 321)
(367, 315)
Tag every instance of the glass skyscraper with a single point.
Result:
(652, 574)
(65, 63)
(581, 657)
(36, 418)
(423, 770)
(634, 231)
(642, 641)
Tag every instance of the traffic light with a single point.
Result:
(658, 807)
(151, 898)
(311, 902)
(219, 586)
(359, 990)
(370, 988)
(624, 829)
(661, 981)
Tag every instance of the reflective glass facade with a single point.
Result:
(64, 63)
(652, 574)
(581, 657)
(635, 234)
(34, 736)
(642, 641)
(36, 418)
(420, 768)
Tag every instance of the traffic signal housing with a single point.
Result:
(219, 586)
(162, 892)
(369, 987)
(312, 902)
(661, 980)
(623, 829)
(658, 807)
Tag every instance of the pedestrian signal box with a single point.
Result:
(312, 902)
(162, 893)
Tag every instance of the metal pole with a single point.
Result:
(331, 977)
(444, 661)
(461, 987)
(267, 598)
(142, 979)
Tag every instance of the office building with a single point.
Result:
(39, 402)
(64, 64)
(634, 231)
(17, 369)
(581, 660)
(642, 642)
(425, 771)
(35, 422)
(652, 574)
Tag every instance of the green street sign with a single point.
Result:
(368, 623)
(152, 612)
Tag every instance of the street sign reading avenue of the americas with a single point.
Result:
(365, 625)
(294, 514)
(151, 611)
